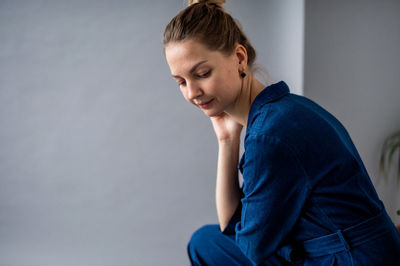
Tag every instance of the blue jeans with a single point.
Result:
(209, 246)
(372, 242)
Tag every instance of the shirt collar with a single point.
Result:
(269, 94)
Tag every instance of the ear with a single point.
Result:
(241, 56)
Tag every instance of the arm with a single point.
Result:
(276, 188)
(227, 184)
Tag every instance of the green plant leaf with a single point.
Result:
(398, 171)
(398, 212)
(382, 168)
(392, 151)
(390, 146)
(382, 162)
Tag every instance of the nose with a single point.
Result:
(193, 91)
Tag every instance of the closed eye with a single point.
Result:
(181, 82)
(205, 74)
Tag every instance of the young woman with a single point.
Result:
(306, 198)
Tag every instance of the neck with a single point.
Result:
(251, 87)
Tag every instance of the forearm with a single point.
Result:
(227, 185)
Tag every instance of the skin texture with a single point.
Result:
(206, 76)
(217, 79)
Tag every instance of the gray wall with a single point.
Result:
(352, 67)
(276, 29)
(101, 160)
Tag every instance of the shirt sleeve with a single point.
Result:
(275, 188)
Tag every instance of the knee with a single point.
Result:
(202, 237)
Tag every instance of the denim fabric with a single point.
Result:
(303, 179)
(209, 246)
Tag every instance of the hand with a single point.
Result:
(226, 128)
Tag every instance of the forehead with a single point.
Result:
(181, 56)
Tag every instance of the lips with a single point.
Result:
(204, 105)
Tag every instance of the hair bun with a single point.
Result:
(219, 3)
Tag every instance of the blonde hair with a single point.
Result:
(207, 22)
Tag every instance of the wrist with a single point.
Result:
(229, 141)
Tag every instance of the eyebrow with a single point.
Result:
(193, 68)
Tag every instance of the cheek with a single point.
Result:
(230, 76)
(230, 83)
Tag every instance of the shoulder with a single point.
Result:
(298, 126)
(291, 117)
(278, 118)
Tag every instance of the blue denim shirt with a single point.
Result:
(302, 176)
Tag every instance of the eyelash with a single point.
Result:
(205, 75)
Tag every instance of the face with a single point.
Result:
(208, 79)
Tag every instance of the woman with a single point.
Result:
(306, 197)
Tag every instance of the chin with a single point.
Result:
(212, 113)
